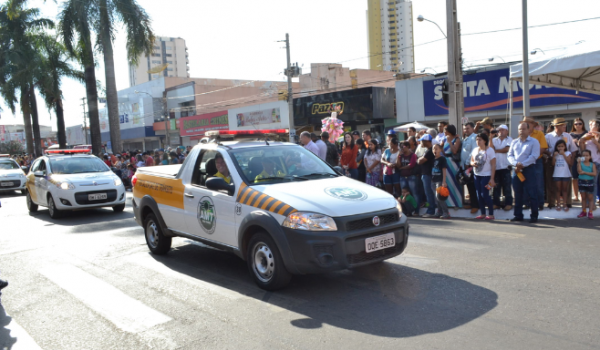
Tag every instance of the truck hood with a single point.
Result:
(335, 197)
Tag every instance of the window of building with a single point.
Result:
(169, 48)
(155, 55)
(170, 69)
(169, 55)
(156, 61)
(170, 62)
(156, 47)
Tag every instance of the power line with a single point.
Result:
(536, 26)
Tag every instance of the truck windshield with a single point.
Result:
(77, 165)
(276, 164)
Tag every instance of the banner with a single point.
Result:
(265, 116)
(200, 124)
(488, 90)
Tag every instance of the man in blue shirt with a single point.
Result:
(522, 155)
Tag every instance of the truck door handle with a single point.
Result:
(188, 195)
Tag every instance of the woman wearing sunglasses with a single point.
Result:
(577, 131)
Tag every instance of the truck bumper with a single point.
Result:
(316, 252)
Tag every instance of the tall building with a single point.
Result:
(390, 33)
(169, 58)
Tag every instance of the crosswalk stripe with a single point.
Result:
(125, 312)
(413, 260)
(24, 340)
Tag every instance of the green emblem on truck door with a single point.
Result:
(346, 193)
(207, 215)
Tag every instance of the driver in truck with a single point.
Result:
(223, 171)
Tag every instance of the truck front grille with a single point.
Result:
(368, 222)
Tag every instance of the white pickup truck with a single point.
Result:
(275, 205)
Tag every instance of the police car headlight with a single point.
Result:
(309, 222)
(118, 181)
(399, 207)
(65, 185)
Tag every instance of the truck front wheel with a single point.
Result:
(265, 263)
(157, 242)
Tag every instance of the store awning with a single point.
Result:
(576, 67)
(404, 128)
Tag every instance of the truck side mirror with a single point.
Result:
(218, 184)
(38, 174)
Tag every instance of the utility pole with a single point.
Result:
(455, 77)
(84, 121)
(289, 74)
(525, 63)
(167, 126)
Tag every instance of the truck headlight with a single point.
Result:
(118, 181)
(309, 222)
(399, 207)
(65, 185)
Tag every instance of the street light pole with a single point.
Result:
(84, 121)
(455, 98)
(290, 96)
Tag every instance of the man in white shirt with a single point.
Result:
(320, 144)
(559, 133)
(441, 136)
(307, 143)
(501, 145)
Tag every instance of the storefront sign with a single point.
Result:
(489, 91)
(199, 124)
(327, 108)
(264, 116)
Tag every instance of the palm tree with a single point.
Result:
(55, 65)
(74, 28)
(100, 17)
(19, 63)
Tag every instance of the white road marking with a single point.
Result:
(145, 261)
(119, 230)
(125, 312)
(24, 340)
(445, 242)
(413, 260)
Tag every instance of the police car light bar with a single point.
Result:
(69, 151)
(4, 155)
(246, 132)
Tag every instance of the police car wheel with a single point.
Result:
(157, 242)
(265, 263)
(119, 208)
(30, 205)
(23, 192)
(54, 213)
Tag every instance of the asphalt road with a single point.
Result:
(87, 281)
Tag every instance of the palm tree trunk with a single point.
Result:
(37, 139)
(91, 91)
(112, 99)
(26, 119)
(60, 124)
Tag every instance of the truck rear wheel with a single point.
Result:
(30, 205)
(157, 242)
(265, 263)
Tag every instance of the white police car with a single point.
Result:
(72, 179)
(12, 177)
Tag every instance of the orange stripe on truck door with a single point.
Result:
(164, 191)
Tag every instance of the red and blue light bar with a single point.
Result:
(68, 151)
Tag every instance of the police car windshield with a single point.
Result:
(276, 164)
(77, 165)
(7, 165)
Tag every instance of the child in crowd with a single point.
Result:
(438, 178)
(407, 201)
(587, 173)
(562, 161)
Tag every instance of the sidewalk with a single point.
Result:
(546, 214)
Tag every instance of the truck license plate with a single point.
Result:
(97, 196)
(6, 184)
(373, 244)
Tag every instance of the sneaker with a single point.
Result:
(426, 215)
(437, 213)
(590, 216)
(480, 217)
(533, 220)
(516, 219)
(582, 214)
(3, 284)
(490, 217)
(445, 217)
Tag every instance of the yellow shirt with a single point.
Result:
(264, 174)
(538, 135)
(226, 178)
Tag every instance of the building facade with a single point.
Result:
(486, 94)
(390, 35)
(169, 58)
